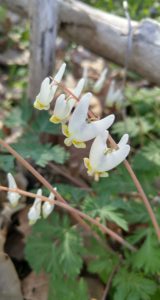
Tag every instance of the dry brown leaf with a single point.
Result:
(9, 282)
(35, 287)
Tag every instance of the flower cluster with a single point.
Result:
(37, 208)
(78, 128)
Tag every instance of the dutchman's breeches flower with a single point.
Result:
(114, 96)
(48, 90)
(48, 207)
(63, 107)
(79, 130)
(100, 82)
(102, 159)
(35, 211)
(12, 196)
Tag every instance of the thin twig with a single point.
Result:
(41, 179)
(105, 293)
(75, 211)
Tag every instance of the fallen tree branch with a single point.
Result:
(106, 35)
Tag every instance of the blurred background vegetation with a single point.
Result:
(138, 9)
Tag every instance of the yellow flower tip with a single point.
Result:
(55, 120)
(38, 105)
(87, 163)
(68, 142)
(78, 144)
(31, 222)
(97, 175)
(14, 204)
(65, 130)
(92, 172)
(104, 174)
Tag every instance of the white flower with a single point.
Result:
(48, 89)
(79, 87)
(114, 96)
(79, 130)
(125, 5)
(35, 211)
(85, 75)
(12, 196)
(102, 159)
(100, 82)
(48, 207)
(63, 107)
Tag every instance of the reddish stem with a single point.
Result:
(75, 211)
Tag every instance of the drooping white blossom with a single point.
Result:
(114, 95)
(63, 107)
(13, 197)
(48, 207)
(79, 87)
(48, 90)
(79, 130)
(35, 211)
(125, 5)
(100, 82)
(102, 158)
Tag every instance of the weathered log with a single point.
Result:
(43, 22)
(107, 35)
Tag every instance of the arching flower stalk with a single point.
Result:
(102, 158)
(48, 90)
(79, 130)
(63, 107)
(13, 197)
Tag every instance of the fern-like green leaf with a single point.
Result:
(56, 247)
(132, 286)
(67, 289)
(101, 261)
(147, 257)
(105, 212)
(6, 162)
(30, 147)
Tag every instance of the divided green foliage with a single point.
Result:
(71, 193)
(19, 116)
(42, 124)
(131, 285)
(6, 162)
(102, 261)
(55, 240)
(98, 208)
(57, 248)
(29, 146)
(147, 257)
(67, 287)
(136, 127)
(145, 164)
